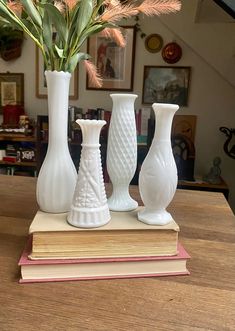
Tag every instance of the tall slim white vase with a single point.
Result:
(158, 174)
(122, 151)
(57, 177)
(89, 207)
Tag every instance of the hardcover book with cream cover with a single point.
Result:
(123, 236)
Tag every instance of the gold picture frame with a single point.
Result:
(11, 89)
(41, 89)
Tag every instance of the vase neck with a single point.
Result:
(164, 114)
(91, 132)
(58, 96)
(124, 100)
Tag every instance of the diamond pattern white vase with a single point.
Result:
(89, 207)
(158, 174)
(122, 151)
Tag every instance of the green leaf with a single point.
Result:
(97, 28)
(74, 12)
(30, 26)
(46, 59)
(4, 23)
(7, 15)
(99, 8)
(40, 6)
(94, 29)
(84, 15)
(58, 20)
(47, 31)
(83, 56)
(60, 52)
(31, 10)
(72, 35)
(89, 32)
(72, 63)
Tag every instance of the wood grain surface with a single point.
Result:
(205, 300)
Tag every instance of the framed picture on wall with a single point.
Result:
(115, 64)
(166, 85)
(41, 87)
(11, 89)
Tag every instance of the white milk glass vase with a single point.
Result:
(57, 177)
(89, 206)
(158, 174)
(122, 151)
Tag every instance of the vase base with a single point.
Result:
(122, 205)
(157, 217)
(88, 217)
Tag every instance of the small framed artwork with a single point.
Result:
(41, 87)
(11, 89)
(166, 85)
(184, 125)
(115, 64)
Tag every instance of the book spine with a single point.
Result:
(145, 116)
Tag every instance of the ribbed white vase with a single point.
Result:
(122, 151)
(89, 207)
(158, 174)
(57, 177)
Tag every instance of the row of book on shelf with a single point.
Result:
(19, 152)
(123, 248)
(142, 116)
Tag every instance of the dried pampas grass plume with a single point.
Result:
(118, 12)
(157, 7)
(15, 6)
(94, 78)
(115, 10)
(71, 3)
(114, 34)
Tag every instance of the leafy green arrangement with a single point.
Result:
(59, 28)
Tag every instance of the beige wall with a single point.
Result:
(211, 98)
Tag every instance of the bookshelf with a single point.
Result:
(20, 158)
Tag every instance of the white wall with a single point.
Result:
(211, 98)
(212, 41)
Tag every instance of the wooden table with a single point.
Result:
(205, 300)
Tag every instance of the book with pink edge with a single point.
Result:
(55, 270)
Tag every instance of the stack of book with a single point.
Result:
(123, 248)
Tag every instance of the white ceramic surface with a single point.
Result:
(89, 207)
(57, 177)
(122, 151)
(158, 174)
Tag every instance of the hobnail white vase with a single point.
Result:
(122, 151)
(158, 174)
(89, 206)
(57, 177)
